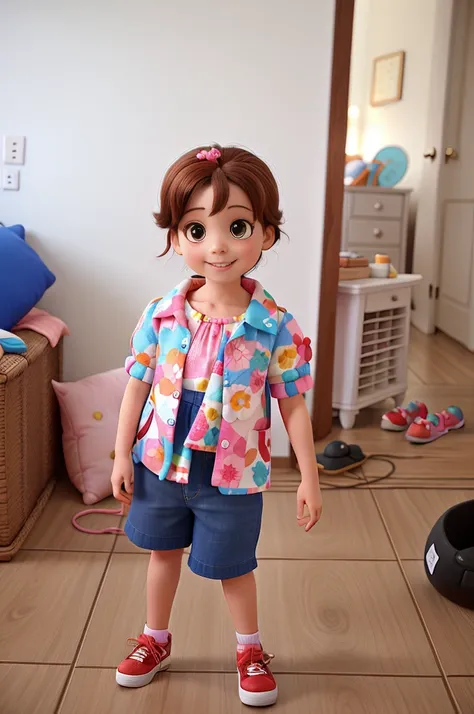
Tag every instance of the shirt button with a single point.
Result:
(175, 395)
(225, 444)
(226, 382)
(171, 422)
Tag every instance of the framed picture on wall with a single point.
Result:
(387, 79)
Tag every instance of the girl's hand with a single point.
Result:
(122, 474)
(309, 493)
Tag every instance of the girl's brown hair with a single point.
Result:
(236, 166)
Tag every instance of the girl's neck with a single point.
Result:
(220, 295)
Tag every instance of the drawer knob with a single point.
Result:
(378, 206)
(394, 298)
(378, 233)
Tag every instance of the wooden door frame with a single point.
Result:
(341, 62)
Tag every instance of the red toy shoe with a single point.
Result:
(400, 418)
(423, 431)
(257, 687)
(147, 659)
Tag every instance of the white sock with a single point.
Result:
(160, 636)
(248, 639)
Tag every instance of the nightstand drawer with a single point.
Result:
(373, 232)
(388, 300)
(377, 204)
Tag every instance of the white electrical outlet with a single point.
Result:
(11, 179)
(13, 149)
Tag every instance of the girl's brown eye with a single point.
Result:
(195, 232)
(241, 229)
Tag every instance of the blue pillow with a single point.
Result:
(24, 278)
(18, 231)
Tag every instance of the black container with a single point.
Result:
(449, 554)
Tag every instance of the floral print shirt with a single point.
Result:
(262, 355)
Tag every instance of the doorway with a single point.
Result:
(432, 114)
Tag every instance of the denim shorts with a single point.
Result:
(222, 530)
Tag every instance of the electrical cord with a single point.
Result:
(362, 479)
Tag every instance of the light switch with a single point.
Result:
(13, 149)
(11, 179)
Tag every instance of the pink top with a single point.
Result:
(209, 335)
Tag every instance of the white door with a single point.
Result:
(438, 222)
(455, 304)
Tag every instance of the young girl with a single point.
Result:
(205, 360)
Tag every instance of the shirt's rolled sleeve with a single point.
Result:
(141, 362)
(289, 369)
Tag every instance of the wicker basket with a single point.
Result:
(30, 438)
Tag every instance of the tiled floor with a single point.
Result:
(347, 609)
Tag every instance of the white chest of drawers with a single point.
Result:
(374, 221)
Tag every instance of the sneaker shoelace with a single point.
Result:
(145, 645)
(259, 665)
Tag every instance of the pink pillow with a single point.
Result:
(89, 417)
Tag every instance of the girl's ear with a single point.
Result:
(175, 242)
(269, 238)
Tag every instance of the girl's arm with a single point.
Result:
(134, 398)
(298, 426)
(136, 393)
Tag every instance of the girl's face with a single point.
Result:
(223, 247)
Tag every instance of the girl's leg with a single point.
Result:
(152, 651)
(241, 596)
(257, 686)
(164, 571)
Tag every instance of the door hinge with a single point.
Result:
(437, 292)
(430, 291)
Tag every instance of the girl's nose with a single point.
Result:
(218, 244)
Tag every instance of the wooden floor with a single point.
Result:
(347, 610)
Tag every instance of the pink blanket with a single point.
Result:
(47, 325)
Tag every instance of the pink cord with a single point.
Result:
(106, 511)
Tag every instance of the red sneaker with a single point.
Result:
(147, 659)
(257, 687)
(400, 418)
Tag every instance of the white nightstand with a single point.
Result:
(372, 333)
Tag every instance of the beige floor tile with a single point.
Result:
(31, 689)
(463, 688)
(95, 692)
(318, 616)
(410, 516)
(45, 599)
(341, 616)
(54, 530)
(450, 626)
(413, 379)
(362, 535)
(439, 360)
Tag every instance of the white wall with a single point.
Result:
(108, 94)
(383, 26)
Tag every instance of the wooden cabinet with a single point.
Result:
(374, 221)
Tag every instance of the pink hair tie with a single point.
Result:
(211, 155)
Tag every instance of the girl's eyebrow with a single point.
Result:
(246, 208)
(198, 208)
